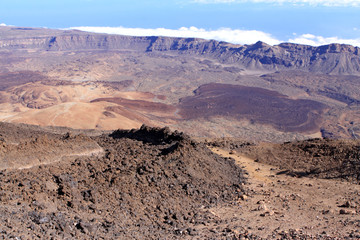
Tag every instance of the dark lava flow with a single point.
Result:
(255, 104)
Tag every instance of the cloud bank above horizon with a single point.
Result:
(234, 36)
(326, 3)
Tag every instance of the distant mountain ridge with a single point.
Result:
(338, 59)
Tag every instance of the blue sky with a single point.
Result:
(313, 22)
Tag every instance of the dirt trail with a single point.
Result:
(278, 203)
(252, 167)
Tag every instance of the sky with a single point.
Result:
(312, 22)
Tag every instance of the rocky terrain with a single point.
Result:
(151, 183)
(287, 206)
(262, 143)
(323, 158)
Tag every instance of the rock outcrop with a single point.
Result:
(150, 183)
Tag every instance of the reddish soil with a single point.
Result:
(139, 105)
(125, 112)
(256, 104)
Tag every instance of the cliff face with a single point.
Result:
(328, 59)
(75, 42)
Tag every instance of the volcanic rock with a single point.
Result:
(150, 183)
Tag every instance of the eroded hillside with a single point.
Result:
(97, 81)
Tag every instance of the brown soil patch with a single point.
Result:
(43, 150)
(322, 158)
(278, 206)
(23, 147)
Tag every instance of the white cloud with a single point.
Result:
(2, 24)
(328, 3)
(223, 34)
(313, 40)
